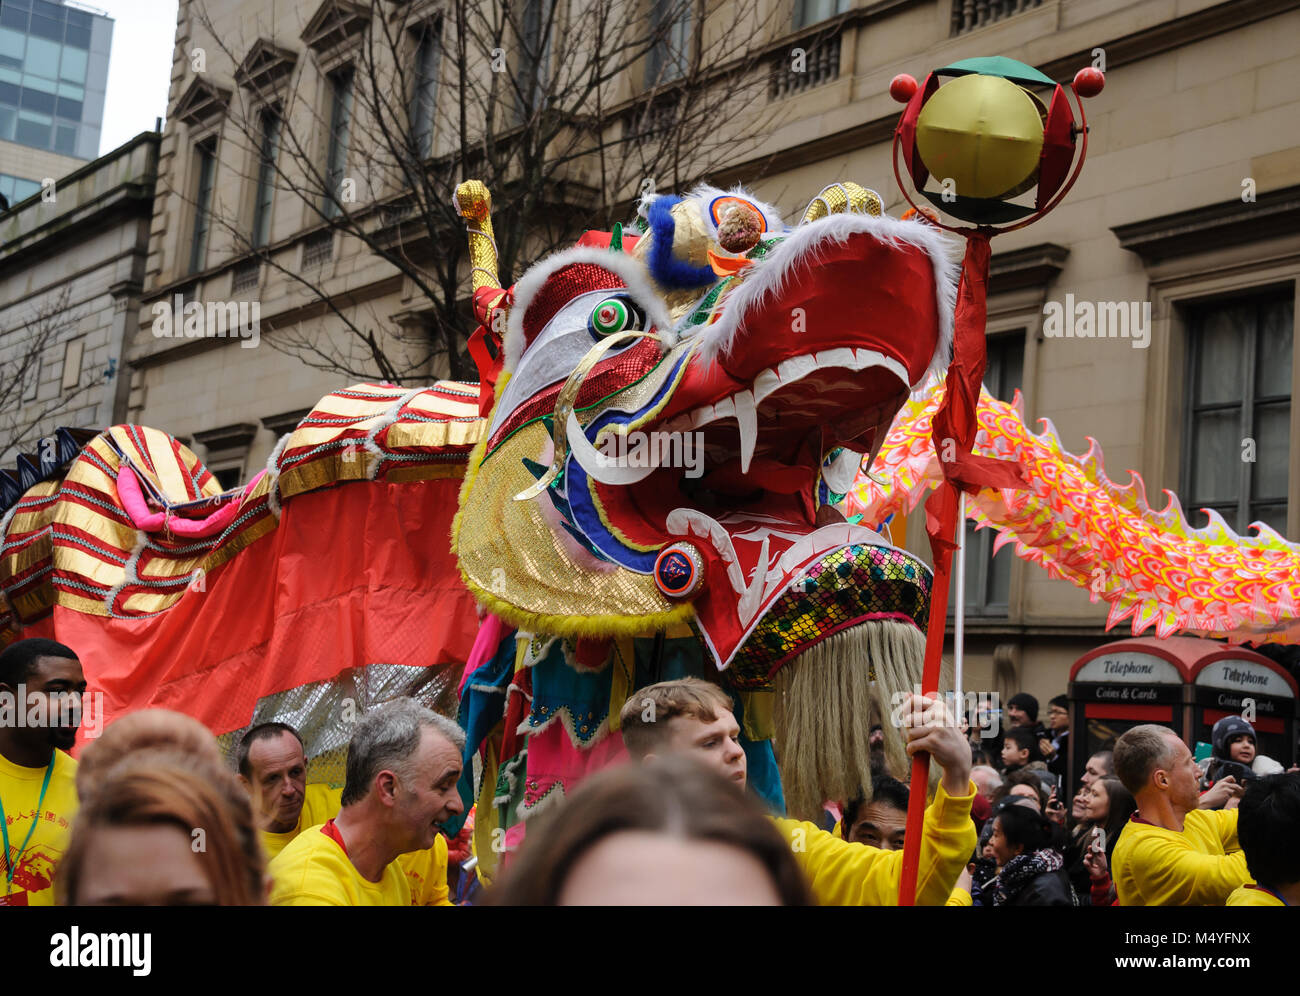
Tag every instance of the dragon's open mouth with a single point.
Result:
(743, 480)
(741, 460)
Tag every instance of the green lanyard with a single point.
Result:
(4, 828)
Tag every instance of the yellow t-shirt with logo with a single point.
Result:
(426, 874)
(20, 788)
(314, 870)
(426, 871)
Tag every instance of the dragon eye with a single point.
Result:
(614, 315)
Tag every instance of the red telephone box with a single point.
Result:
(1184, 683)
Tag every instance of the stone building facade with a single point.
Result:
(71, 269)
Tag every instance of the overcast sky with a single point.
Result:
(139, 67)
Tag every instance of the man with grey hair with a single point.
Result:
(1171, 853)
(986, 779)
(403, 767)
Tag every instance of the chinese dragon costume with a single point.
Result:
(760, 381)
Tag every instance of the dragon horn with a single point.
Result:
(473, 202)
(839, 198)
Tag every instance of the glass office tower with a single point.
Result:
(53, 72)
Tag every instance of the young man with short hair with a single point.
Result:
(694, 717)
(1100, 765)
(41, 685)
(1268, 825)
(1171, 853)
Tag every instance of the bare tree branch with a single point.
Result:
(565, 109)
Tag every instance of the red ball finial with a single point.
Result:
(1089, 81)
(902, 88)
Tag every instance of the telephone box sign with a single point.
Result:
(1245, 677)
(1129, 667)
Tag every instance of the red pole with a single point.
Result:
(946, 512)
(953, 432)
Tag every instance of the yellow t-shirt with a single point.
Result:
(1249, 895)
(1200, 866)
(20, 788)
(426, 874)
(314, 870)
(426, 871)
(841, 873)
(320, 803)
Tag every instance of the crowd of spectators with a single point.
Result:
(154, 814)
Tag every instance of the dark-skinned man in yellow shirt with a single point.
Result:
(41, 685)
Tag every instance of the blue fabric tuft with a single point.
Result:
(667, 269)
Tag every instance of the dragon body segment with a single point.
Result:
(1151, 565)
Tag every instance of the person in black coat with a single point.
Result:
(1031, 866)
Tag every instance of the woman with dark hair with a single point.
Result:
(164, 828)
(1030, 866)
(665, 832)
(1106, 806)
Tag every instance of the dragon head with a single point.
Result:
(678, 413)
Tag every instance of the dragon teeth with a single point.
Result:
(747, 419)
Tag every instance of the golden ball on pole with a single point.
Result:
(984, 133)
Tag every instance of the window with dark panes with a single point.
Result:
(229, 478)
(13, 17)
(1237, 454)
(79, 26)
(669, 56)
(988, 575)
(423, 103)
(808, 12)
(206, 154)
(536, 24)
(33, 129)
(269, 146)
(48, 20)
(340, 122)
